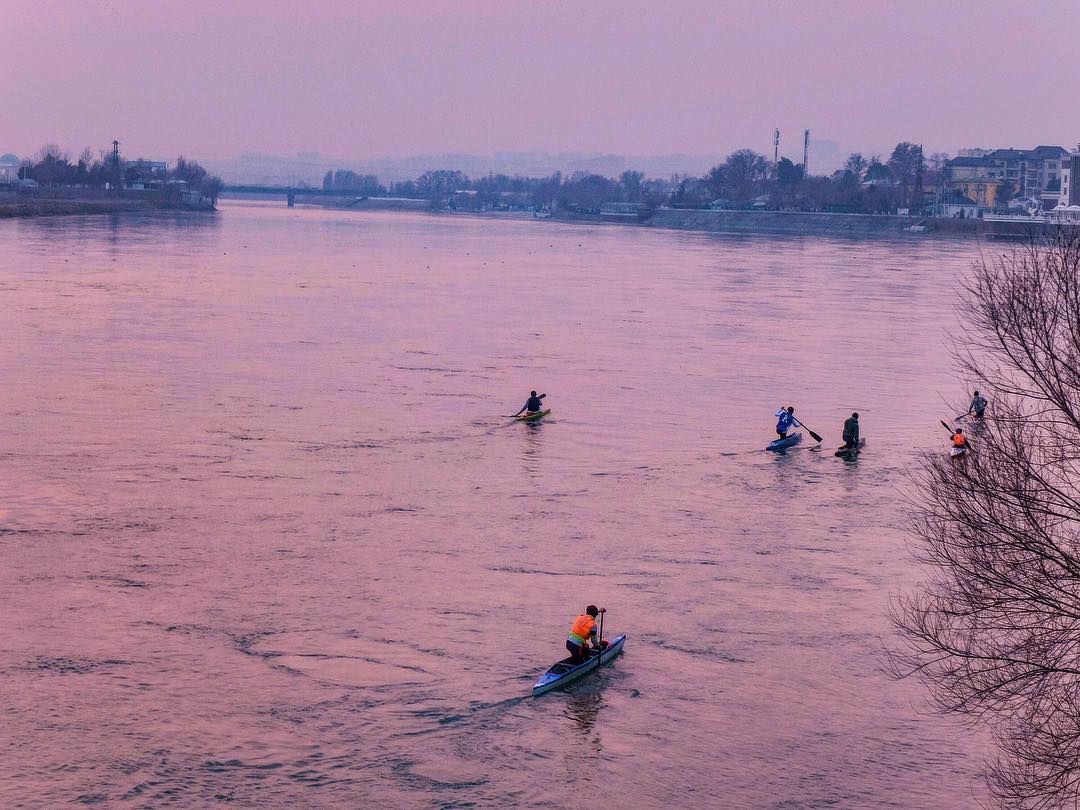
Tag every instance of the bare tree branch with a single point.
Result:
(995, 631)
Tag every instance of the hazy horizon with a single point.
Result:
(388, 81)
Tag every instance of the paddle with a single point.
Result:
(817, 438)
(600, 638)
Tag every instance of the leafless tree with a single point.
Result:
(995, 630)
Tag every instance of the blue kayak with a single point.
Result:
(783, 444)
(566, 671)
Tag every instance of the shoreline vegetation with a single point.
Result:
(52, 183)
(746, 180)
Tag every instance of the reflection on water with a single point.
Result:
(270, 539)
(583, 707)
(532, 445)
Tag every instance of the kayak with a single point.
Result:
(957, 452)
(533, 417)
(566, 671)
(783, 444)
(850, 452)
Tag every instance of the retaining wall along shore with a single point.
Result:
(786, 222)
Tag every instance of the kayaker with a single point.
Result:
(532, 404)
(582, 632)
(959, 439)
(978, 405)
(785, 420)
(851, 432)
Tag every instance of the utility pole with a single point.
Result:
(116, 168)
(775, 147)
(919, 180)
(806, 153)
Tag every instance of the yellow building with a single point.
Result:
(983, 192)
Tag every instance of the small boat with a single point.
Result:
(850, 452)
(533, 417)
(566, 671)
(918, 227)
(783, 444)
(957, 452)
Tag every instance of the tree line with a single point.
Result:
(745, 179)
(53, 167)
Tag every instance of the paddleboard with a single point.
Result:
(850, 452)
(783, 444)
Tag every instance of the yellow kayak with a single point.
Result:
(533, 417)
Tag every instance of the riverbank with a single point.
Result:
(73, 201)
(38, 207)
(787, 223)
(780, 222)
(790, 223)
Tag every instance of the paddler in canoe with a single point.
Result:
(583, 632)
(851, 433)
(959, 441)
(532, 405)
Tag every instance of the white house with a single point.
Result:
(1070, 171)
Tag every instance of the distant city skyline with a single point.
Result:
(375, 81)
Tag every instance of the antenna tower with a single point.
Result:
(116, 168)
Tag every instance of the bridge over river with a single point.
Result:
(290, 193)
(345, 199)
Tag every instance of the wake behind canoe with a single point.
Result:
(566, 672)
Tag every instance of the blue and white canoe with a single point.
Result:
(566, 671)
(783, 444)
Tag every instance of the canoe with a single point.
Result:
(533, 417)
(850, 452)
(783, 444)
(957, 452)
(566, 671)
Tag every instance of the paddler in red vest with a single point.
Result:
(959, 439)
(582, 632)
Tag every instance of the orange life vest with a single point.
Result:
(959, 440)
(583, 628)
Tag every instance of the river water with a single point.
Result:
(269, 539)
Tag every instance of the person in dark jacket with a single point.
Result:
(851, 432)
(978, 405)
(532, 404)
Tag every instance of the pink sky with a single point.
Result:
(366, 79)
